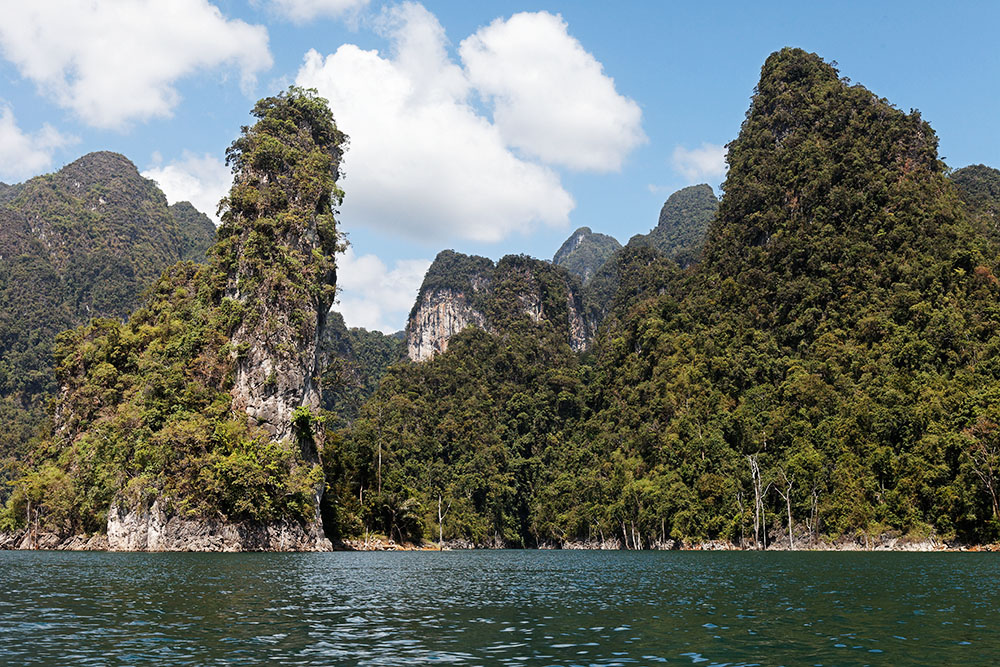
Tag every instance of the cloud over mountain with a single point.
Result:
(425, 159)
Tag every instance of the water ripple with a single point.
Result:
(503, 608)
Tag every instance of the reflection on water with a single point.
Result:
(499, 608)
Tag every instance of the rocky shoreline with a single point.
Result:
(190, 536)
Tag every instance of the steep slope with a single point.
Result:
(979, 188)
(461, 291)
(828, 371)
(197, 230)
(683, 223)
(829, 365)
(80, 243)
(355, 360)
(190, 426)
(678, 237)
(584, 252)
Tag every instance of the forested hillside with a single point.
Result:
(200, 407)
(682, 226)
(979, 187)
(812, 358)
(80, 243)
(829, 367)
(584, 252)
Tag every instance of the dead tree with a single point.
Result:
(441, 521)
(759, 490)
(787, 496)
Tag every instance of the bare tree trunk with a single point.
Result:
(739, 508)
(441, 521)
(758, 508)
(379, 436)
(814, 515)
(787, 495)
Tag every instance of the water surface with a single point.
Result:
(499, 608)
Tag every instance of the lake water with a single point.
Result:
(500, 608)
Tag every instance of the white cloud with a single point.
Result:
(200, 179)
(422, 162)
(551, 97)
(705, 162)
(301, 11)
(24, 154)
(117, 62)
(374, 296)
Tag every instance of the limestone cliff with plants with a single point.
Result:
(191, 425)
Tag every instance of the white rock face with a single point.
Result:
(156, 530)
(441, 314)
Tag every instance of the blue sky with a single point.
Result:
(490, 127)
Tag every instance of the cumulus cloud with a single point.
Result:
(422, 161)
(24, 154)
(116, 62)
(301, 11)
(373, 295)
(705, 162)
(551, 98)
(200, 179)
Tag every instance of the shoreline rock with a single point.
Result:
(174, 534)
(156, 530)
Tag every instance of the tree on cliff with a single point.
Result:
(202, 399)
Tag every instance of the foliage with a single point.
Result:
(356, 361)
(584, 252)
(145, 409)
(683, 224)
(469, 427)
(464, 274)
(979, 188)
(81, 243)
(837, 345)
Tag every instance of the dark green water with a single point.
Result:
(500, 608)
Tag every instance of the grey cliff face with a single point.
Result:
(440, 314)
(154, 529)
(276, 374)
(451, 302)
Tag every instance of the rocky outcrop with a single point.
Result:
(155, 529)
(439, 315)
(460, 291)
(584, 252)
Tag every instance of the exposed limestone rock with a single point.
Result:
(460, 291)
(584, 252)
(157, 530)
(439, 315)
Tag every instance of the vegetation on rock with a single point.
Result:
(683, 224)
(150, 408)
(80, 243)
(584, 252)
(979, 188)
(828, 368)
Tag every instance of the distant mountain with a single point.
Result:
(678, 237)
(82, 242)
(462, 290)
(825, 372)
(355, 361)
(979, 188)
(194, 425)
(683, 224)
(584, 252)
(197, 229)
